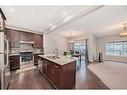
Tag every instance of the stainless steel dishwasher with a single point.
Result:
(40, 62)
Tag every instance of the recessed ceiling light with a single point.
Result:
(64, 13)
(52, 27)
(68, 18)
(11, 9)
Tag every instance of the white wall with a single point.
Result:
(91, 45)
(101, 47)
(54, 40)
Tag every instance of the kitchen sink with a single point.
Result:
(53, 57)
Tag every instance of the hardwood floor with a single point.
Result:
(85, 79)
(32, 79)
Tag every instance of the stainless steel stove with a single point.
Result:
(26, 53)
(26, 57)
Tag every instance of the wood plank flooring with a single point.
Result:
(32, 79)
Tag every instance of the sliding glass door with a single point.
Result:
(81, 48)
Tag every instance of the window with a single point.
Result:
(80, 47)
(116, 48)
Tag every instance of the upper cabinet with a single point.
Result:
(25, 36)
(38, 41)
(13, 37)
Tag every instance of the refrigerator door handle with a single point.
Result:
(7, 52)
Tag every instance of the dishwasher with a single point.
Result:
(40, 62)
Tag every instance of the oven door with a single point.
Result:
(26, 58)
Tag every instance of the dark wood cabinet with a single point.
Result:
(25, 36)
(52, 72)
(14, 62)
(38, 41)
(57, 77)
(13, 38)
(60, 76)
(44, 67)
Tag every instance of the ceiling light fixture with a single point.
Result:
(124, 32)
(64, 13)
(71, 41)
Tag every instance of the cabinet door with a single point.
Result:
(13, 37)
(38, 41)
(50, 73)
(56, 71)
(14, 62)
(25, 36)
(44, 67)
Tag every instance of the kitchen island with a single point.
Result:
(60, 72)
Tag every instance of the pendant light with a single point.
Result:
(71, 41)
(124, 32)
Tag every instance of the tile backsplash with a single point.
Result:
(36, 50)
(15, 50)
(26, 46)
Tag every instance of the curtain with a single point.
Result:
(86, 52)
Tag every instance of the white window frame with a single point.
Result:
(113, 48)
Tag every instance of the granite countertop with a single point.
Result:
(14, 54)
(62, 60)
(39, 53)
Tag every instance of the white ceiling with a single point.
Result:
(37, 18)
(104, 21)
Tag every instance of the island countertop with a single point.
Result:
(62, 60)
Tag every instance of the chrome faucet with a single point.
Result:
(56, 52)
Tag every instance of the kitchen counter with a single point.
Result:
(39, 53)
(62, 60)
(61, 72)
(15, 54)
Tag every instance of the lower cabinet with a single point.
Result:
(14, 62)
(57, 77)
(44, 67)
(60, 76)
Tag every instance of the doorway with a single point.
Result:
(81, 48)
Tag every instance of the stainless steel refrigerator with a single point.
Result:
(4, 58)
